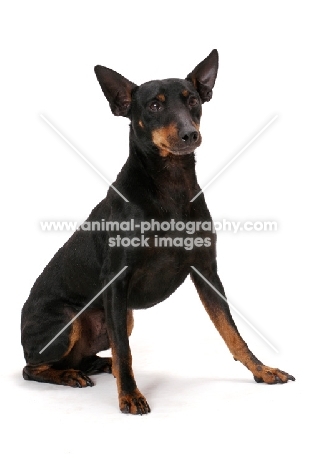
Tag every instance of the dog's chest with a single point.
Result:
(157, 277)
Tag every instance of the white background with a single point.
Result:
(206, 408)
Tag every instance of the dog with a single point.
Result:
(82, 302)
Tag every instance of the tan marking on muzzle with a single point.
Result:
(162, 137)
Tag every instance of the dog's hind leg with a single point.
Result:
(97, 364)
(48, 374)
(53, 363)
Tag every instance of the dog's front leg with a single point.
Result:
(115, 304)
(220, 314)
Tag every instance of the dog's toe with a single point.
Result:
(75, 378)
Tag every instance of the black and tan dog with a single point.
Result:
(159, 181)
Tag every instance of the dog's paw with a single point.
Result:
(75, 378)
(133, 403)
(95, 364)
(271, 376)
(106, 365)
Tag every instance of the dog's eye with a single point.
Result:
(193, 101)
(155, 106)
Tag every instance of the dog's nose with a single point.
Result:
(190, 136)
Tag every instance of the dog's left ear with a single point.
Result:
(117, 90)
(204, 75)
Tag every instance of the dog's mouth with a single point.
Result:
(176, 151)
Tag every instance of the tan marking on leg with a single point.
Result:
(74, 336)
(46, 374)
(130, 322)
(130, 398)
(132, 402)
(38, 369)
(240, 350)
(232, 338)
(115, 368)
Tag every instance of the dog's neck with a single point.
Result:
(172, 178)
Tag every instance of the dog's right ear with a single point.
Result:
(116, 89)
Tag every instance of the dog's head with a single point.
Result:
(164, 114)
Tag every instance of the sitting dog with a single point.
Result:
(82, 302)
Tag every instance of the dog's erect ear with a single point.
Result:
(116, 89)
(204, 75)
